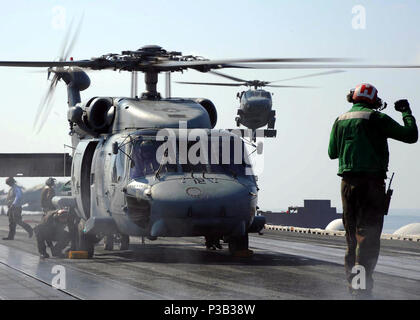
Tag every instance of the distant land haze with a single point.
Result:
(395, 219)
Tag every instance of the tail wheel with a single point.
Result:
(125, 242)
(85, 242)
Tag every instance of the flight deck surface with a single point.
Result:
(285, 265)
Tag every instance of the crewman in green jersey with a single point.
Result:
(359, 140)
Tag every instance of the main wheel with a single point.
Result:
(109, 242)
(125, 242)
(238, 246)
(85, 242)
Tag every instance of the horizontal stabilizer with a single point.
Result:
(35, 165)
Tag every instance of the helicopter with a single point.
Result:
(255, 109)
(126, 178)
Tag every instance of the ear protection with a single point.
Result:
(350, 96)
(379, 105)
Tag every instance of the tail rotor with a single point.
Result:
(45, 106)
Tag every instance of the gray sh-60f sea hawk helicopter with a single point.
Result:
(255, 108)
(117, 183)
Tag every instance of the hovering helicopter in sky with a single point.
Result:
(255, 109)
(125, 176)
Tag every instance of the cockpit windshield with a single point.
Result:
(266, 94)
(257, 94)
(144, 160)
(214, 156)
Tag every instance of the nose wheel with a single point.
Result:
(123, 239)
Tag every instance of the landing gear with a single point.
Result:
(109, 242)
(272, 121)
(213, 243)
(125, 242)
(238, 246)
(85, 242)
(123, 239)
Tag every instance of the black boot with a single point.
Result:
(44, 255)
(57, 253)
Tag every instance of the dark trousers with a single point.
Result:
(363, 216)
(15, 218)
(44, 236)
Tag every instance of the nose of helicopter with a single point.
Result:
(190, 206)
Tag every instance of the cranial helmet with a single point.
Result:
(366, 93)
(63, 213)
(10, 181)
(50, 182)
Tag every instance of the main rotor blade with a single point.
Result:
(227, 76)
(214, 83)
(46, 64)
(322, 66)
(310, 75)
(221, 63)
(280, 86)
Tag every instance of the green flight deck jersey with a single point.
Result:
(359, 139)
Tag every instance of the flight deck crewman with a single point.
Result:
(359, 140)
(47, 194)
(51, 229)
(14, 203)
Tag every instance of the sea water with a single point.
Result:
(395, 219)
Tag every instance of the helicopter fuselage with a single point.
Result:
(115, 192)
(255, 109)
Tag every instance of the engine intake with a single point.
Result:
(93, 117)
(210, 108)
(100, 114)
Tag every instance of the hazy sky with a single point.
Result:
(296, 165)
